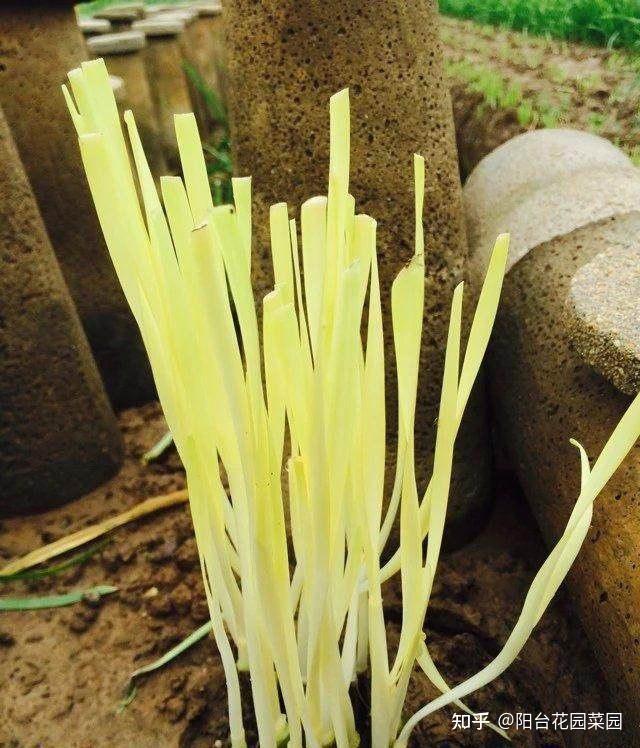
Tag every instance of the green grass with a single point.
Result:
(499, 93)
(615, 23)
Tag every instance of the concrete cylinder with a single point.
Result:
(566, 196)
(169, 89)
(286, 58)
(58, 435)
(123, 55)
(209, 53)
(189, 43)
(40, 44)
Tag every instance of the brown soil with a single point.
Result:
(63, 670)
(563, 84)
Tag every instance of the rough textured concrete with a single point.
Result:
(58, 435)
(286, 59)
(541, 185)
(202, 46)
(190, 41)
(123, 55)
(209, 48)
(40, 44)
(169, 90)
(544, 393)
(603, 311)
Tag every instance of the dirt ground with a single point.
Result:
(63, 671)
(504, 83)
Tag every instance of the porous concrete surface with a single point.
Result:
(544, 184)
(210, 50)
(286, 59)
(40, 44)
(603, 311)
(203, 47)
(58, 435)
(543, 394)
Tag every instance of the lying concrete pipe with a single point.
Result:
(41, 42)
(567, 197)
(58, 435)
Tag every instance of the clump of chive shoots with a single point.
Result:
(289, 406)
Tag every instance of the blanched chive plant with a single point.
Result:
(279, 419)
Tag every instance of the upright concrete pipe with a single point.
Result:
(169, 89)
(209, 50)
(206, 52)
(58, 435)
(286, 58)
(189, 42)
(123, 55)
(565, 196)
(40, 44)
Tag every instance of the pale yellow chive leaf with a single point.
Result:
(242, 200)
(418, 171)
(483, 320)
(281, 250)
(617, 447)
(79, 89)
(585, 468)
(77, 118)
(193, 166)
(176, 204)
(339, 145)
(314, 239)
(407, 303)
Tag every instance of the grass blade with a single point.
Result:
(49, 571)
(54, 601)
(158, 448)
(193, 638)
